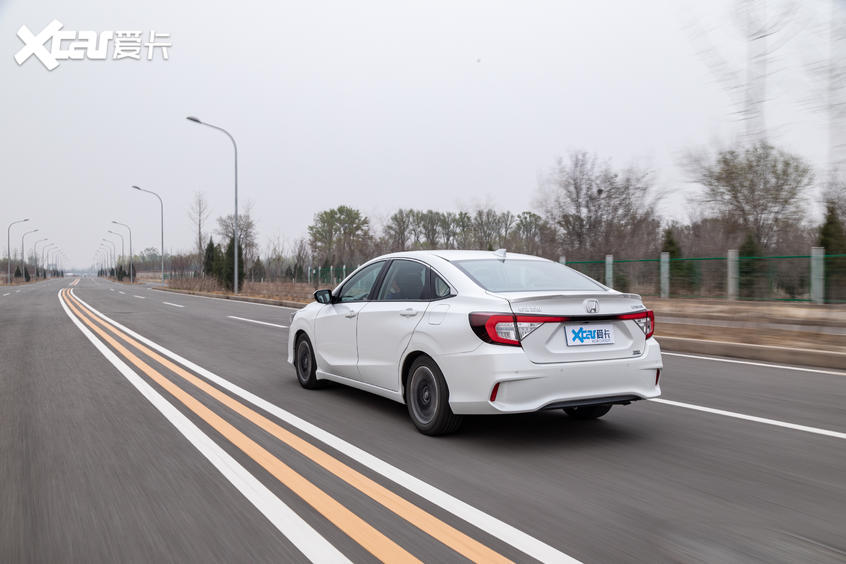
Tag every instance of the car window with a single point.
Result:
(440, 287)
(358, 287)
(405, 280)
(497, 275)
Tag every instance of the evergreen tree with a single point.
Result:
(833, 240)
(750, 270)
(17, 272)
(257, 272)
(229, 264)
(209, 259)
(26, 275)
(682, 273)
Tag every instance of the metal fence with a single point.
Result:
(816, 277)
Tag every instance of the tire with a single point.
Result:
(305, 364)
(585, 412)
(427, 399)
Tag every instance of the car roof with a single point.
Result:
(453, 255)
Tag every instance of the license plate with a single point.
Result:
(593, 334)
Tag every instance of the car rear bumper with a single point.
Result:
(525, 386)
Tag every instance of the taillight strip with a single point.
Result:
(484, 323)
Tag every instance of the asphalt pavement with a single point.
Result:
(141, 425)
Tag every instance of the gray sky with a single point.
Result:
(377, 105)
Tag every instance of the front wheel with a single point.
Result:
(427, 397)
(588, 411)
(305, 364)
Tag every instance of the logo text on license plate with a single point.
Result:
(590, 334)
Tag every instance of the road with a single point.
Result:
(181, 435)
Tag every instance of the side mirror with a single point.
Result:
(323, 296)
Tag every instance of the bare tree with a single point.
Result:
(247, 234)
(199, 213)
(759, 187)
(598, 209)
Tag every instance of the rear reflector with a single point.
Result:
(494, 391)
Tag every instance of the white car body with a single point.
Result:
(370, 344)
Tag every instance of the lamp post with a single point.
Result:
(114, 250)
(122, 256)
(8, 245)
(161, 209)
(43, 251)
(131, 269)
(35, 252)
(52, 259)
(23, 258)
(235, 225)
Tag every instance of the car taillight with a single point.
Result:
(644, 319)
(506, 328)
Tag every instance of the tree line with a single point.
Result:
(755, 197)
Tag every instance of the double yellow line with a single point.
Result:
(375, 542)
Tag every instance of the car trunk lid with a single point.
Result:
(577, 326)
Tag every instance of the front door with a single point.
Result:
(335, 326)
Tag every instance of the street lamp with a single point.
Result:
(23, 258)
(122, 256)
(235, 225)
(44, 250)
(114, 250)
(35, 252)
(161, 207)
(131, 269)
(8, 245)
(52, 259)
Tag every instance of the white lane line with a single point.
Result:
(17, 291)
(286, 520)
(112, 289)
(121, 292)
(6, 294)
(139, 297)
(751, 363)
(774, 422)
(174, 305)
(509, 534)
(226, 300)
(256, 321)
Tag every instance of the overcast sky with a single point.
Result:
(377, 105)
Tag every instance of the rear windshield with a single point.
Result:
(497, 275)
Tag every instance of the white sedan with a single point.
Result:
(451, 333)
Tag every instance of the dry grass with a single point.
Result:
(297, 292)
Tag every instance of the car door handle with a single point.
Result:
(350, 314)
(408, 312)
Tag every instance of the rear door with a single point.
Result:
(386, 324)
(590, 329)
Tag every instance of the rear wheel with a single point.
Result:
(305, 364)
(588, 411)
(427, 398)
